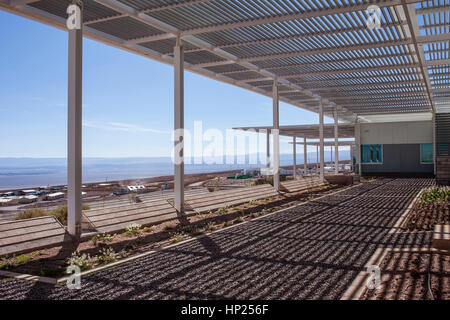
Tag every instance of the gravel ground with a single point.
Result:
(312, 251)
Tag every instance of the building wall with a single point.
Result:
(399, 158)
(401, 146)
(397, 132)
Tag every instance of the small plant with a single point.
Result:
(210, 226)
(148, 229)
(12, 262)
(227, 224)
(167, 227)
(238, 220)
(102, 238)
(36, 253)
(176, 237)
(222, 210)
(109, 255)
(133, 229)
(83, 261)
(7, 263)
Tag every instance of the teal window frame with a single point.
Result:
(372, 154)
(426, 153)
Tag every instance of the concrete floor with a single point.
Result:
(311, 251)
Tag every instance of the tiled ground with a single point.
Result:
(312, 251)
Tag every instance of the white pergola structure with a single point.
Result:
(330, 144)
(311, 131)
(321, 56)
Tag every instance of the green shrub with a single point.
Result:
(210, 226)
(12, 262)
(436, 194)
(238, 220)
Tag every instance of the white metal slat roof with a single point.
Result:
(314, 49)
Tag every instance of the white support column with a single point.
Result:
(358, 145)
(294, 147)
(336, 142)
(351, 158)
(74, 127)
(331, 155)
(322, 158)
(179, 126)
(317, 157)
(268, 148)
(305, 156)
(433, 123)
(276, 137)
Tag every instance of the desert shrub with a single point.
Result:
(11, 262)
(60, 213)
(31, 213)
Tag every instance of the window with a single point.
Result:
(426, 153)
(371, 153)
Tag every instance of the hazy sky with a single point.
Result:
(127, 99)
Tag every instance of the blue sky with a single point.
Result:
(127, 99)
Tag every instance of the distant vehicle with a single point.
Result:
(120, 192)
(28, 199)
(54, 196)
(136, 189)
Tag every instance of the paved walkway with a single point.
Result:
(312, 251)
